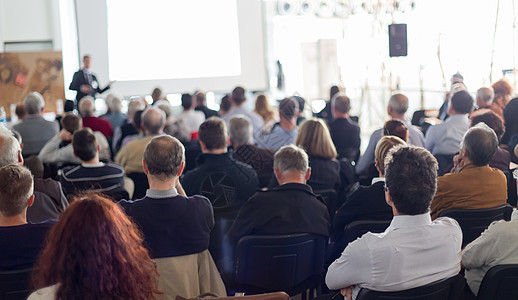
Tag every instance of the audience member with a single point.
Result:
(485, 96)
(156, 95)
(20, 241)
(300, 114)
(130, 156)
(503, 92)
(173, 224)
(238, 99)
(128, 127)
(265, 111)
(92, 175)
(201, 105)
(445, 138)
(288, 208)
(35, 130)
(284, 132)
(94, 252)
(224, 106)
(473, 184)
(496, 246)
(174, 126)
(396, 128)
(20, 113)
(115, 117)
(313, 136)
(261, 159)
(344, 131)
(137, 122)
(87, 109)
(59, 149)
(190, 117)
(406, 255)
(228, 183)
(49, 200)
(397, 107)
(368, 202)
(502, 157)
(327, 112)
(510, 137)
(457, 84)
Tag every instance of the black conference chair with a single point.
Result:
(500, 282)
(474, 221)
(220, 248)
(352, 232)
(141, 184)
(292, 263)
(330, 198)
(14, 285)
(512, 193)
(446, 289)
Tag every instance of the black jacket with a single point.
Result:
(79, 79)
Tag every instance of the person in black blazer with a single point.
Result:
(85, 83)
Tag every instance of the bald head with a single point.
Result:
(87, 106)
(398, 105)
(153, 121)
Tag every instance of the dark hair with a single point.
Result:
(200, 98)
(225, 104)
(301, 102)
(15, 189)
(491, 119)
(333, 90)
(186, 101)
(164, 156)
(462, 102)
(71, 122)
(396, 128)
(95, 252)
(137, 119)
(238, 95)
(84, 144)
(213, 133)
(69, 106)
(480, 143)
(511, 121)
(289, 108)
(86, 56)
(20, 110)
(411, 178)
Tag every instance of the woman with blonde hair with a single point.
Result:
(314, 137)
(94, 252)
(265, 111)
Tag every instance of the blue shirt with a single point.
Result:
(277, 138)
(445, 138)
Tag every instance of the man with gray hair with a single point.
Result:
(20, 241)
(49, 200)
(173, 225)
(473, 183)
(485, 97)
(115, 115)
(261, 159)
(34, 129)
(397, 107)
(291, 207)
(284, 132)
(87, 110)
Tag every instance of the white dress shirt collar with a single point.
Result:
(377, 179)
(406, 221)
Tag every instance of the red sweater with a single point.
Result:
(99, 124)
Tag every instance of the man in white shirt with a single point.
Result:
(413, 251)
(190, 117)
(445, 138)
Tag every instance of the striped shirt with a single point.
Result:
(102, 177)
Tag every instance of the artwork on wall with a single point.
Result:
(24, 72)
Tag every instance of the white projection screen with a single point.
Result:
(178, 45)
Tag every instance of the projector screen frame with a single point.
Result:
(92, 31)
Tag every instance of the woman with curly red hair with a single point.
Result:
(94, 252)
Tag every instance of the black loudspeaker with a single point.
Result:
(397, 40)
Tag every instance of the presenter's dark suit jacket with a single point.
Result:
(79, 79)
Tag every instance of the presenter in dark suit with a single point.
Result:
(85, 83)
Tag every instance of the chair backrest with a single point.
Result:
(500, 282)
(358, 228)
(330, 198)
(14, 285)
(219, 244)
(279, 262)
(512, 193)
(268, 296)
(446, 289)
(474, 221)
(141, 184)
